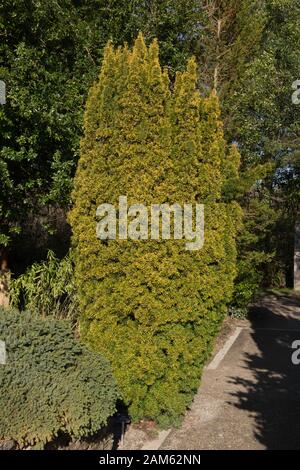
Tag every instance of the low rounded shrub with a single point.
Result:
(50, 383)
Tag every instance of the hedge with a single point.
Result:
(153, 307)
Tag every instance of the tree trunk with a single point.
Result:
(4, 278)
(297, 257)
(216, 70)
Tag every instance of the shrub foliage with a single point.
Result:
(50, 382)
(152, 306)
(47, 288)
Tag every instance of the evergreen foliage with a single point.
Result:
(153, 307)
(50, 383)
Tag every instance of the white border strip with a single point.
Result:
(222, 353)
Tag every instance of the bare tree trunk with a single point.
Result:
(4, 278)
(216, 70)
(297, 257)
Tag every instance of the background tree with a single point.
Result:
(49, 57)
(251, 57)
(46, 66)
(231, 36)
(264, 122)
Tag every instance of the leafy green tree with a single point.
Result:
(178, 26)
(45, 65)
(232, 33)
(251, 57)
(263, 120)
(153, 307)
(49, 57)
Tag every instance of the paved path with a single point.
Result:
(250, 393)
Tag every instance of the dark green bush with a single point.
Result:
(50, 382)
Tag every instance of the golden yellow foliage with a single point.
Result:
(152, 307)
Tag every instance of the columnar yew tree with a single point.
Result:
(153, 307)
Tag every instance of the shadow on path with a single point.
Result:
(272, 395)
